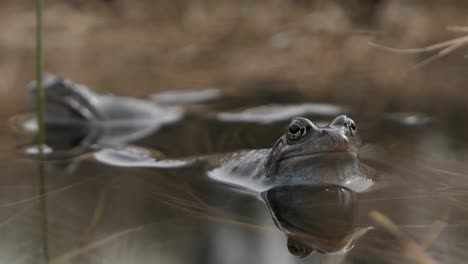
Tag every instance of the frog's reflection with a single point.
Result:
(315, 218)
(77, 117)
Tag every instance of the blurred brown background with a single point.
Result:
(316, 49)
(308, 50)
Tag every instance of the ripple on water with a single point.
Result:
(279, 112)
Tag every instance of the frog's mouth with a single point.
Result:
(314, 154)
(275, 158)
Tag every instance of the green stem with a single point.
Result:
(40, 88)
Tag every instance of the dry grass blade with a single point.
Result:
(437, 227)
(65, 258)
(457, 29)
(434, 47)
(460, 43)
(444, 48)
(97, 214)
(46, 194)
(410, 248)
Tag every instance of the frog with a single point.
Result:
(100, 118)
(309, 180)
(304, 154)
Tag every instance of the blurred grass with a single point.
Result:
(317, 48)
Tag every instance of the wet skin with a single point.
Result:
(303, 142)
(305, 154)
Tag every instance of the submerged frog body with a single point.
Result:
(305, 154)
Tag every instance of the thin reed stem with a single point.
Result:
(40, 89)
(40, 109)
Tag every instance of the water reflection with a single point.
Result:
(42, 177)
(179, 215)
(315, 218)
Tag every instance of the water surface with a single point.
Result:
(81, 211)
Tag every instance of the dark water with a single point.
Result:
(80, 211)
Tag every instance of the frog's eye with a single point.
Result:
(297, 129)
(346, 122)
(297, 249)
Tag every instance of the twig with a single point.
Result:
(437, 227)
(429, 48)
(410, 248)
(65, 258)
(457, 29)
(444, 48)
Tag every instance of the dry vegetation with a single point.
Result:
(319, 48)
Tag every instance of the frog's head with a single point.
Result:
(304, 144)
(66, 100)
